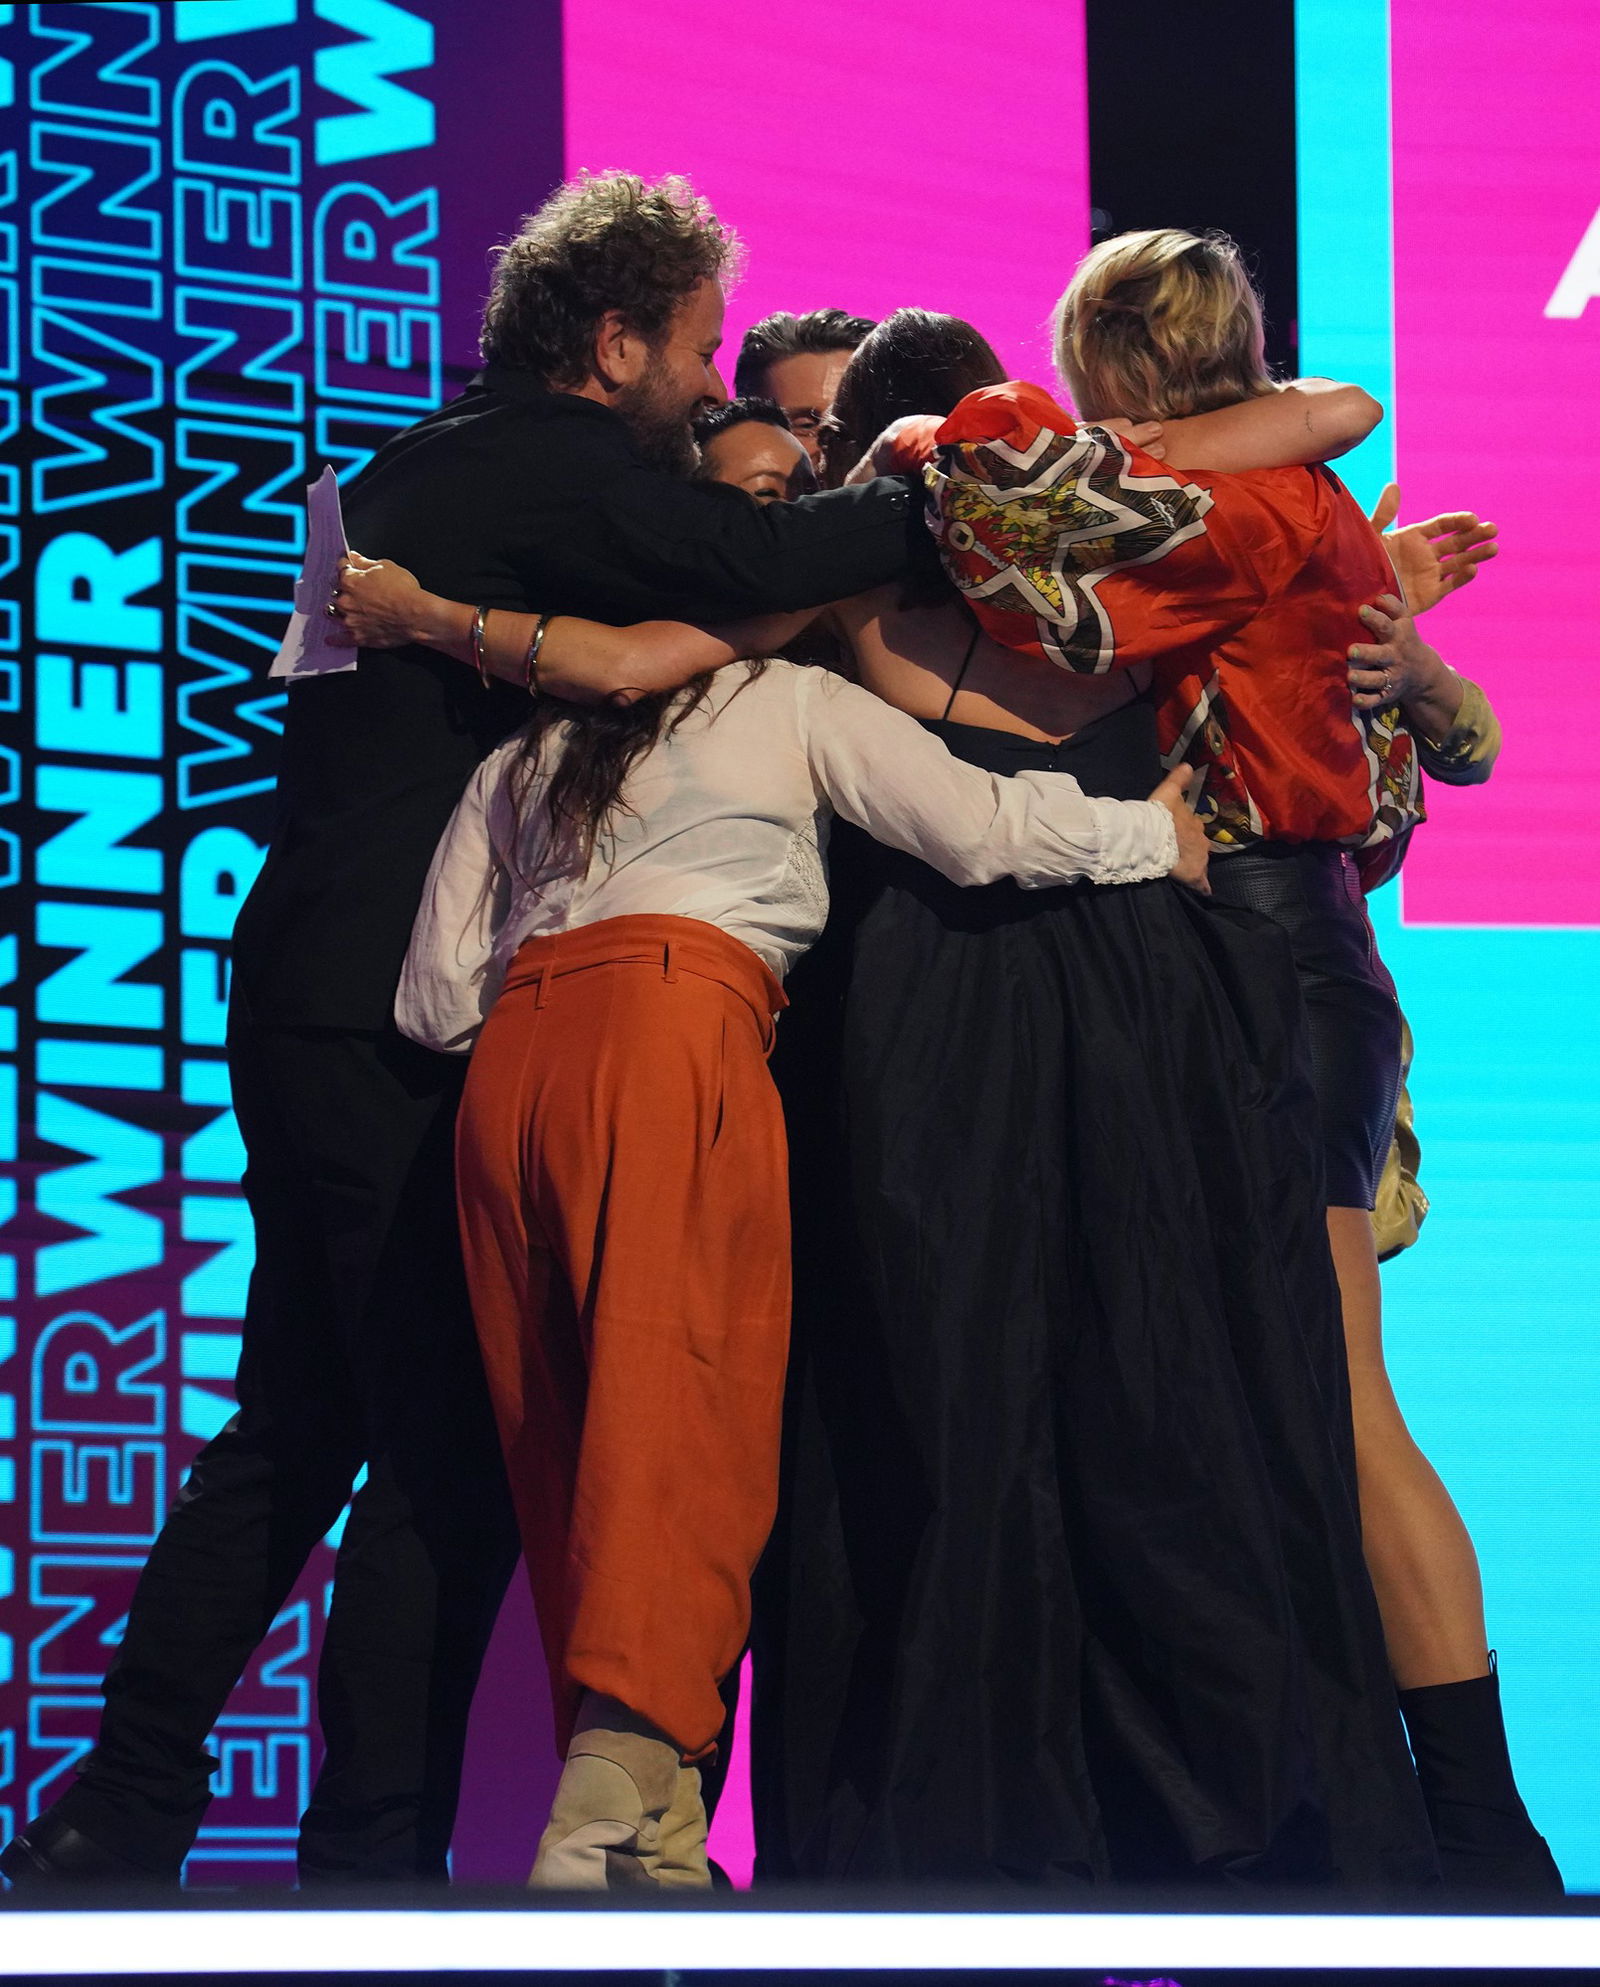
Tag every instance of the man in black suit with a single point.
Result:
(554, 484)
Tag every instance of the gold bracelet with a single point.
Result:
(480, 622)
(530, 665)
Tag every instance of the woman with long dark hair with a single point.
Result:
(1244, 614)
(606, 925)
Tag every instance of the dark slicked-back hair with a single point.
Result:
(783, 335)
(603, 242)
(735, 413)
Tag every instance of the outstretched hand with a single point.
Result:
(1436, 557)
(1194, 848)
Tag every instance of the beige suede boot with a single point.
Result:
(604, 1831)
(680, 1863)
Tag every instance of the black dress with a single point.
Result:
(1068, 1585)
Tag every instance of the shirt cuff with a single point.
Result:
(1457, 749)
(1138, 841)
(1466, 754)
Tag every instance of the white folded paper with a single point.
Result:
(309, 647)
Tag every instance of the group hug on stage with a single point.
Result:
(815, 1068)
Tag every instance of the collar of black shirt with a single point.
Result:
(512, 383)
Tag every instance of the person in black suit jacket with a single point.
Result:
(554, 484)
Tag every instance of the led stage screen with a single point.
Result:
(238, 239)
(1450, 258)
(831, 137)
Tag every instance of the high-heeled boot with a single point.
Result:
(1486, 1841)
(604, 1831)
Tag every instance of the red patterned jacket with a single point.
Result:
(1240, 590)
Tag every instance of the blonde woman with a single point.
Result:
(1238, 591)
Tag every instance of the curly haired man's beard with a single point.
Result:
(659, 418)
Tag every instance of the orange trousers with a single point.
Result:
(623, 1179)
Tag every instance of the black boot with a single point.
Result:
(50, 1851)
(1481, 1829)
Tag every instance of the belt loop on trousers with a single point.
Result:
(542, 982)
(669, 972)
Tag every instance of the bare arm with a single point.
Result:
(1309, 420)
(382, 606)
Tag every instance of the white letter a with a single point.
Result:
(1581, 278)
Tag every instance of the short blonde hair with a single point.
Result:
(1159, 323)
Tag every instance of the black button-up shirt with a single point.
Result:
(518, 498)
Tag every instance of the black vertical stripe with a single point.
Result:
(1191, 125)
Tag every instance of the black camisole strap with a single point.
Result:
(961, 675)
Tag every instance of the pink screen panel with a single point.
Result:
(871, 156)
(1496, 185)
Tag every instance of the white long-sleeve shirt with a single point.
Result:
(725, 819)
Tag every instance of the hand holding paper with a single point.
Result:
(313, 644)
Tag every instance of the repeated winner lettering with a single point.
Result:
(205, 293)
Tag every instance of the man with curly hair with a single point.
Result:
(554, 484)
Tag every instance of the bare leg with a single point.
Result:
(1419, 1554)
(1425, 1574)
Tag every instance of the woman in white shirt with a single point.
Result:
(606, 924)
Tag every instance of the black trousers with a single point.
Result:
(357, 1348)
